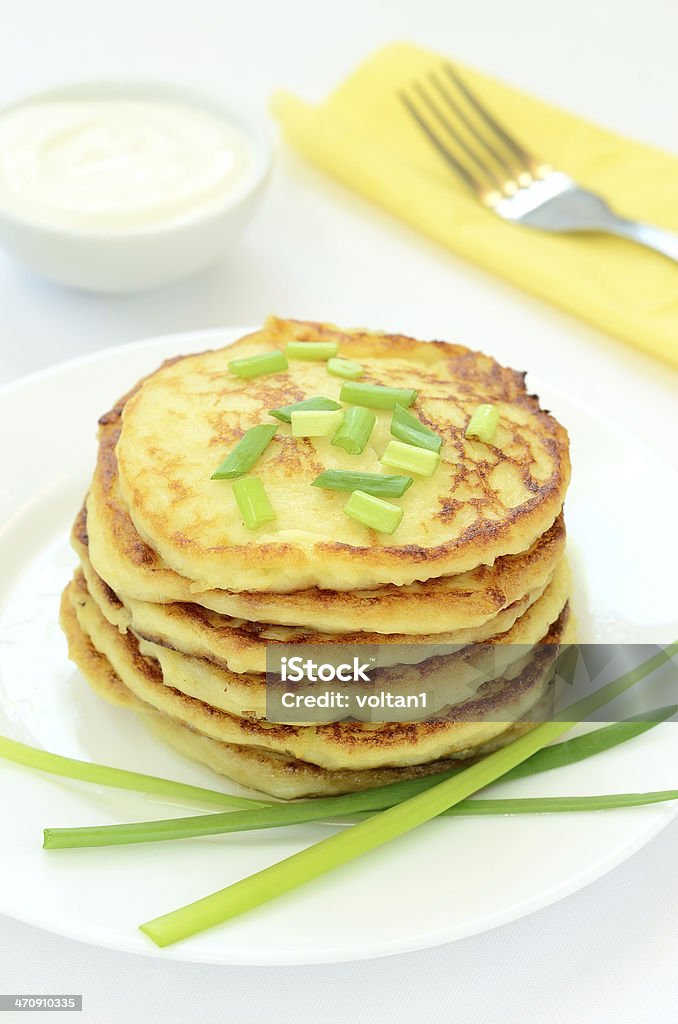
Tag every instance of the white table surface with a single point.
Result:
(315, 251)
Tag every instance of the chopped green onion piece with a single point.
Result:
(413, 460)
(284, 414)
(375, 396)
(252, 499)
(311, 351)
(344, 368)
(408, 428)
(483, 423)
(248, 449)
(354, 433)
(377, 484)
(309, 423)
(373, 512)
(257, 366)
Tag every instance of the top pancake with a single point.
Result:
(459, 602)
(482, 502)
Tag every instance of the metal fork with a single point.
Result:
(506, 177)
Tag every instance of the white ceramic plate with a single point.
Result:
(447, 880)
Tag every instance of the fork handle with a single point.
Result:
(658, 239)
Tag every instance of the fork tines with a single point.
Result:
(490, 161)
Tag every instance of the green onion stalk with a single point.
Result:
(558, 755)
(383, 827)
(119, 778)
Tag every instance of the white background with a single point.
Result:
(315, 251)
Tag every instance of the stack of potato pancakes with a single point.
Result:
(175, 600)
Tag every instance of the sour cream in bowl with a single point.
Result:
(123, 187)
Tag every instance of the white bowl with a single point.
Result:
(136, 260)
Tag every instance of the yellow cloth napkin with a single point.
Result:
(362, 135)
